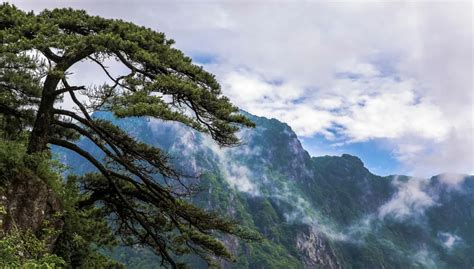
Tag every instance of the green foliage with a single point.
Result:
(85, 234)
(81, 239)
(14, 161)
(131, 197)
(156, 67)
(20, 249)
(136, 188)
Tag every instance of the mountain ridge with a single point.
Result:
(325, 211)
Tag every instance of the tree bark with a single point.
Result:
(40, 134)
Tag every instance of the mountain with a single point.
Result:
(315, 212)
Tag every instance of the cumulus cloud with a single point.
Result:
(409, 200)
(351, 111)
(399, 72)
(455, 154)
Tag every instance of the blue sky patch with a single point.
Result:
(377, 158)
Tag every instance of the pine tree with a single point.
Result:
(37, 54)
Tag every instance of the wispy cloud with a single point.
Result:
(452, 180)
(410, 200)
(426, 258)
(449, 240)
(189, 145)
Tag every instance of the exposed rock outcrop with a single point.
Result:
(315, 251)
(29, 204)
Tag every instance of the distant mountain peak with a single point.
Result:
(317, 212)
(353, 159)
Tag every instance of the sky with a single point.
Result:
(390, 82)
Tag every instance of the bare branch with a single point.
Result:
(115, 80)
(68, 88)
(50, 55)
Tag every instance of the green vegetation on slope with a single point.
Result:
(337, 196)
(79, 233)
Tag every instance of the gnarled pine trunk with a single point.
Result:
(40, 134)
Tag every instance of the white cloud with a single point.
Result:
(245, 88)
(369, 108)
(390, 112)
(453, 181)
(237, 175)
(409, 200)
(449, 240)
(409, 67)
(360, 69)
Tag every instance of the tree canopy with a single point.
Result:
(37, 54)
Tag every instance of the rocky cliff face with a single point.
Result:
(27, 203)
(320, 212)
(315, 250)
